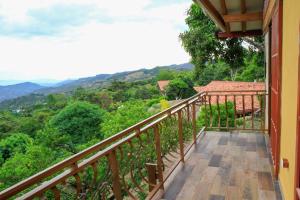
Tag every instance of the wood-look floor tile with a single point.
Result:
(202, 191)
(215, 160)
(233, 193)
(223, 140)
(216, 197)
(266, 195)
(265, 181)
(218, 186)
(249, 187)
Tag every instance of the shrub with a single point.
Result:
(81, 120)
(205, 112)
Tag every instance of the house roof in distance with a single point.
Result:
(234, 90)
(230, 86)
(163, 84)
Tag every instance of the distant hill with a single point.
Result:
(102, 80)
(17, 90)
(28, 93)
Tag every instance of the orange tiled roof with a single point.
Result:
(234, 86)
(230, 86)
(163, 84)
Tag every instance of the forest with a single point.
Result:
(36, 136)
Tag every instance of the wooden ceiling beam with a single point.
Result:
(213, 13)
(243, 17)
(269, 9)
(225, 12)
(243, 10)
(237, 34)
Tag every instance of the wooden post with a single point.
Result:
(180, 135)
(234, 105)
(151, 169)
(194, 122)
(158, 155)
(188, 112)
(244, 117)
(113, 163)
(219, 114)
(262, 113)
(205, 111)
(226, 108)
(252, 110)
(211, 114)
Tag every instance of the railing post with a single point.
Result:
(188, 112)
(113, 163)
(151, 169)
(158, 155)
(194, 122)
(180, 135)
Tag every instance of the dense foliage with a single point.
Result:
(215, 59)
(35, 136)
(225, 114)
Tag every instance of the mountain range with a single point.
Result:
(22, 89)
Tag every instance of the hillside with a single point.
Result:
(25, 94)
(17, 90)
(103, 80)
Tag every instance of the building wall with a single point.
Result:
(291, 17)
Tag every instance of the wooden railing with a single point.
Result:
(235, 110)
(136, 163)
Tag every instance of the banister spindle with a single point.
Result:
(180, 135)
(244, 117)
(219, 114)
(158, 155)
(234, 105)
(194, 122)
(226, 108)
(113, 163)
(262, 113)
(252, 111)
(188, 112)
(206, 124)
(210, 108)
(56, 193)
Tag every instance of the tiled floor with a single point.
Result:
(226, 166)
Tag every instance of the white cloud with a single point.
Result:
(137, 37)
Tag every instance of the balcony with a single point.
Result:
(210, 146)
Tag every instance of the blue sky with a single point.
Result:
(60, 39)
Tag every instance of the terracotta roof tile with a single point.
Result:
(163, 84)
(222, 88)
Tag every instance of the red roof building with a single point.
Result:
(163, 84)
(234, 89)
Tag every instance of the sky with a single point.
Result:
(67, 39)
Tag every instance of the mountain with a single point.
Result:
(102, 80)
(17, 90)
(28, 93)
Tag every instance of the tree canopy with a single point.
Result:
(208, 52)
(80, 120)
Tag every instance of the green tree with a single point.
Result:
(180, 88)
(165, 74)
(252, 71)
(204, 116)
(215, 71)
(203, 46)
(80, 120)
(128, 114)
(16, 143)
(23, 165)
